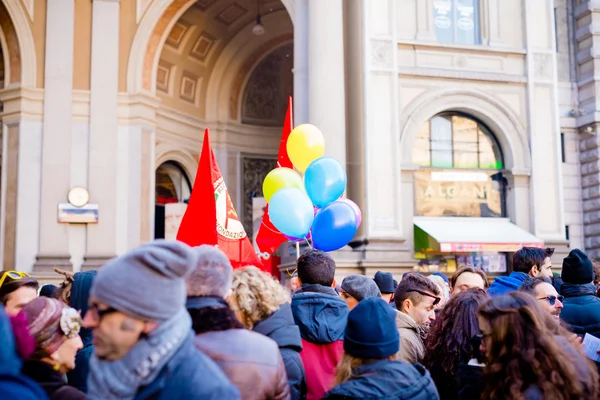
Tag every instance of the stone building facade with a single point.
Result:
(471, 109)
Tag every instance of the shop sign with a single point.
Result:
(456, 194)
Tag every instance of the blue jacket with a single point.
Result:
(189, 375)
(80, 294)
(507, 284)
(281, 328)
(581, 308)
(319, 313)
(389, 380)
(13, 384)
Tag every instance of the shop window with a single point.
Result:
(457, 21)
(453, 140)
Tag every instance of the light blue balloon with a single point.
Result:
(291, 211)
(325, 181)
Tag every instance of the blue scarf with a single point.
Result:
(121, 379)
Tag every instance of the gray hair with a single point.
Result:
(213, 274)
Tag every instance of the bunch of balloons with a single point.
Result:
(311, 208)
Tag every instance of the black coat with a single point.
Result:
(281, 328)
(470, 382)
(581, 309)
(53, 383)
(389, 380)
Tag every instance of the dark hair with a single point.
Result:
(528, 257)
(471, 270)
(549, 251)
(529, 285)
(49, 291)
(450, 339)
(525, 348)
(316, 267)
(11, 285)
(596, 272)
(410, 282)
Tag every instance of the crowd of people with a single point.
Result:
(167, 321)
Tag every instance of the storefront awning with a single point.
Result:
(470, 235)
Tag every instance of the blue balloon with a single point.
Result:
(334, 226)
(325, 181)
(291, 211)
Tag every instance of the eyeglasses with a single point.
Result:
(14, 275)
(97, 313)
(552, 299)
(435, 302)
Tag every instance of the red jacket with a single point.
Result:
(320, 361)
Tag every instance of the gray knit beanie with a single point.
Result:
(148, 282)
(360, 287)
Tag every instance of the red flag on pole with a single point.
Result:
(268, 238)
(210, 217)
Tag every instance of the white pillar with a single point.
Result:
(56, 148)
(103, 150)
(326, 76)
(300, 62)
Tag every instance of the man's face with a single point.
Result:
(544, 270)
(18, 299)
(294, 283)
(114, 333)
(466, 281)
(543, 293)
(423, 313)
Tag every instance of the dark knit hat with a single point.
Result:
(577, 268)
(148, 283)
(371, 330)
(360, 287)
(385, 282)
(50, 322)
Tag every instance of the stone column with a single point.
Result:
(543, 123)
(56, 148)
(103, 150)
(300, 62)
(326, 86)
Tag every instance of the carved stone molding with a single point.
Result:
(542, 65)
(382, 53)
(462, 75)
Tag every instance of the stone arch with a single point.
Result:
(502, 121)
(17, 44)
(149, 39)
(183, 158)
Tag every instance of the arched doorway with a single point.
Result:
(172, 192)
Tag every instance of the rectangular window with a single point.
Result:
(441, 142)
(562, 147)
(457, 21)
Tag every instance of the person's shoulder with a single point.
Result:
(67, 392)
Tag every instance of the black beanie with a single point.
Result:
(577, 268)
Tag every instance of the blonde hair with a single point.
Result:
(257, 294)
(348, 363)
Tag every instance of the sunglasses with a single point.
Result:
(552, 299)
(97, 314)
(14, 275)
(436, 299)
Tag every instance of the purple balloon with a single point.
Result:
(355, 208)
(295, 239)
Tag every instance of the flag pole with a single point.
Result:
(297, 250)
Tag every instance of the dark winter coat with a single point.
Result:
(250, 360)
(321, 316)
(581, 310)
(507, 284)
(80, 294)
(389, 380)
(470, 382)
(281, 328)
(53, 383)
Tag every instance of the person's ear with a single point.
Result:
(299, 282)
(149, 327)
(406, 305)
(534, 271)
(334, 283)
(451, 290)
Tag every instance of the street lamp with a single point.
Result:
(258, 29)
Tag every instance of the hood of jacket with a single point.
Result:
(387, 380)
(575, 290)
(506, 284)
(319, 313)
(80, 295)
(281, 328)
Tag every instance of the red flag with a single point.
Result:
(268, 238)
(210, 217)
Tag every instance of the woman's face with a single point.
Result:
(485, 329)
(65, 355)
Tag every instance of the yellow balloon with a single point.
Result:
(304, 145)
(280, 178)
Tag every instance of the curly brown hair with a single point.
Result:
(526, 349)
(449, 341)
